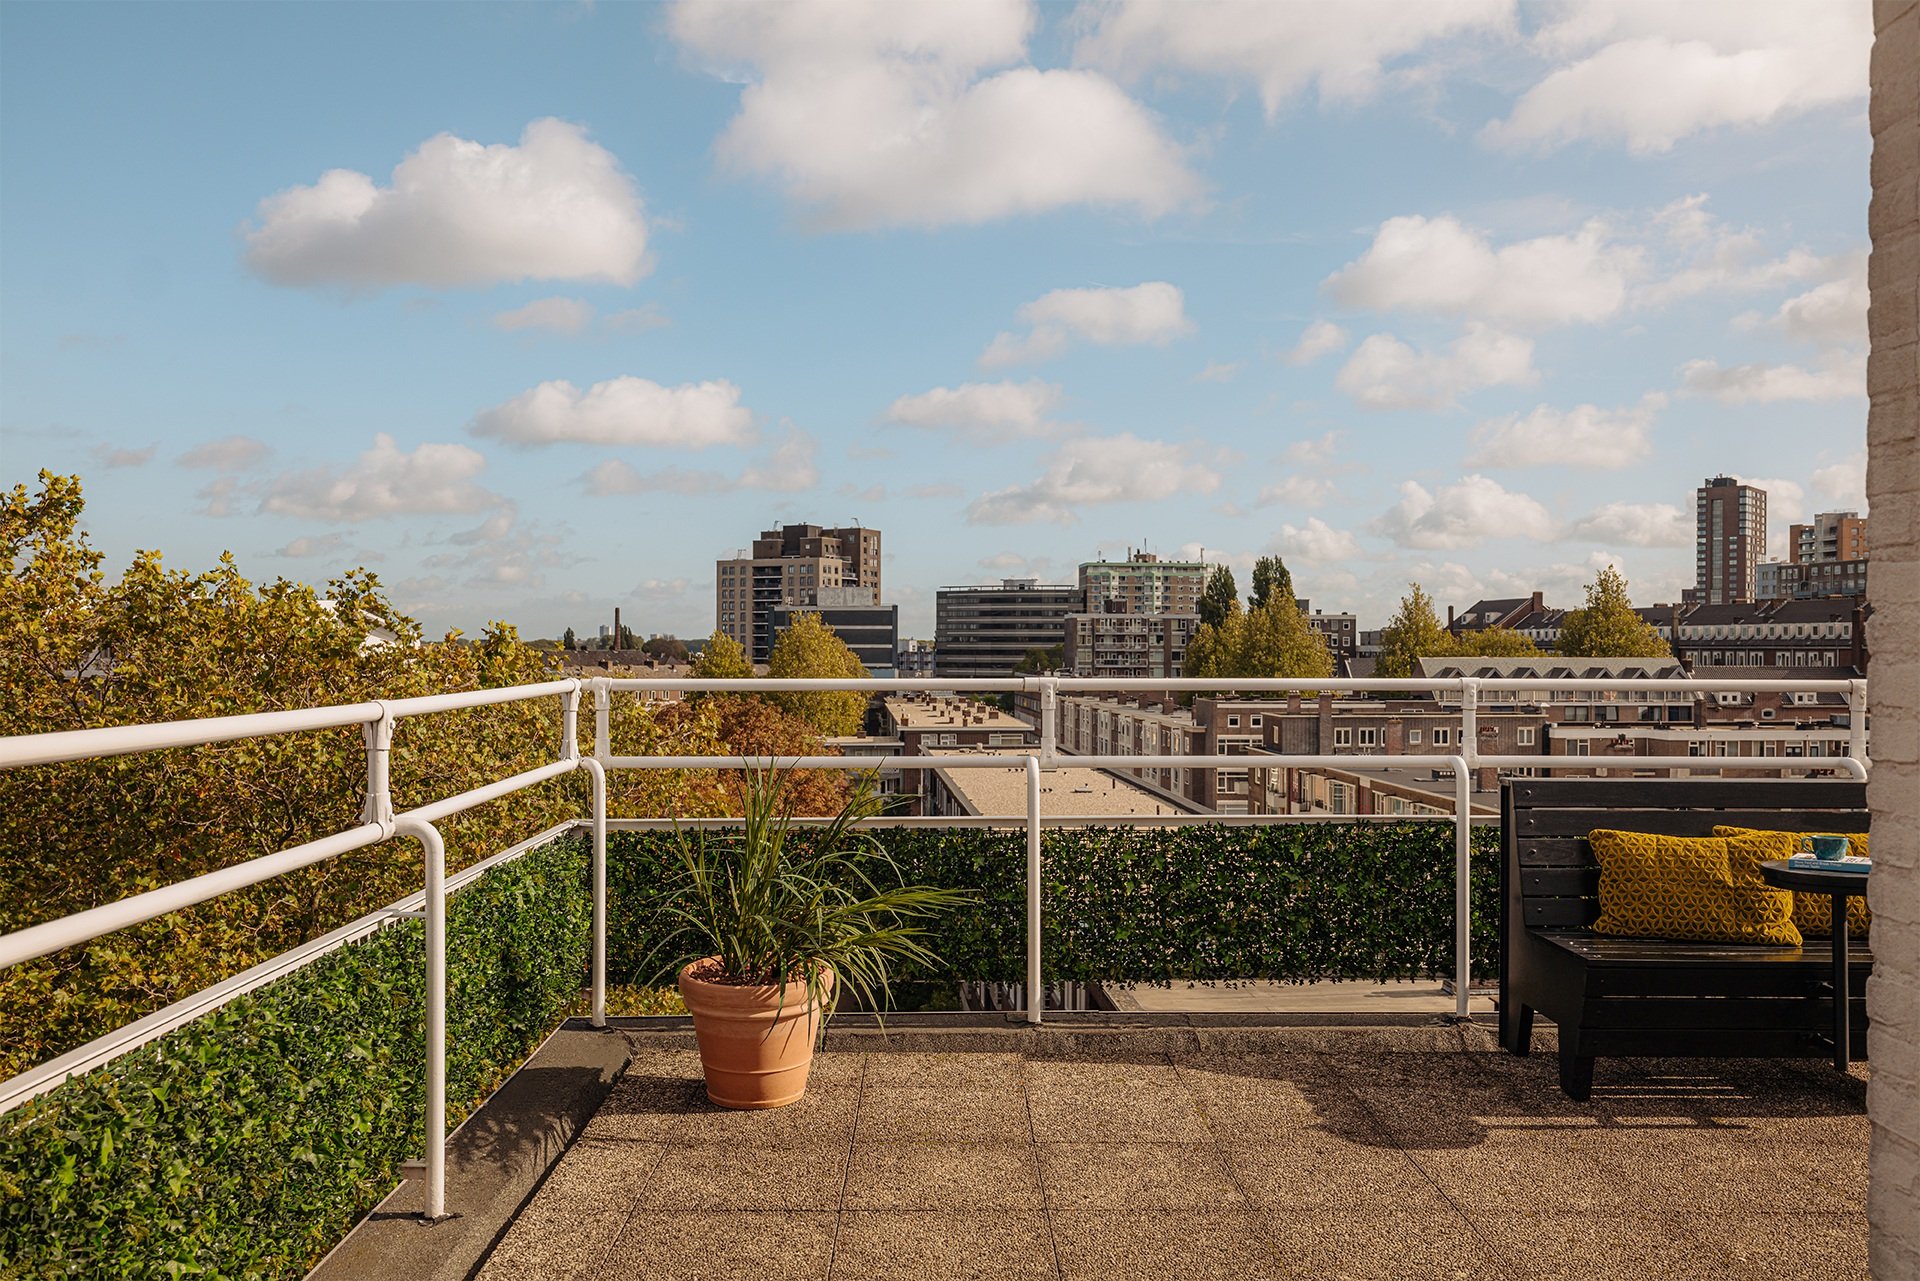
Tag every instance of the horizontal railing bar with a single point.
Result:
(427, 704)
(39, 940)
(910, 822)
(1695, 764)
(127, 740)
(491, 792)
(34, 1082)
(1716, 685)
(845, 684)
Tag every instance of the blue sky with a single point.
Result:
(537, 309)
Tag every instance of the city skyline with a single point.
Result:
(1395, 303)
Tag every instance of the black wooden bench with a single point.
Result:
(1623, 997)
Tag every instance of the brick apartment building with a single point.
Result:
(791, 566)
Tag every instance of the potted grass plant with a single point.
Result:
(771, 926)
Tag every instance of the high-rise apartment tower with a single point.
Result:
(790, 566)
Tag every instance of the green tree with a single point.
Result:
(1219, 596)
(1271, 641)
(568, 642)
(1608, 627)
(722, 659)
(1037, 660)
(1495, 642)
(1272, 580)
(1413, 633)
(809, 648)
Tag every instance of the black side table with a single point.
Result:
(1842, 886)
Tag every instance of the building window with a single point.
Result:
(1442, 737)
(1524, 736)
(1369, 738)
(1413, 738)
(1233, 722)
(1343, 737)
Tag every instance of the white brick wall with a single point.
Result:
(1893, 491)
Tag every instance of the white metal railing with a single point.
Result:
(380, 822)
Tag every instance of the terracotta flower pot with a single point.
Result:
(756, 1043)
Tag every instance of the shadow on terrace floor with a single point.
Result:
(1242, 1153)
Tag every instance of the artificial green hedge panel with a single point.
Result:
(1293, 902)
(247, 1142)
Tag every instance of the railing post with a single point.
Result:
(1463, 883)
(1036, 993)
(570, 724)
(1049, 721)
(1857, 720)
(378, 807)
(598, 773)
(1470, 719)
(602, 735)
(435, 879)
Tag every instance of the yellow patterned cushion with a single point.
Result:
(1813, 913)
(1689, 887)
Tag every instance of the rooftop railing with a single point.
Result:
(379, 821)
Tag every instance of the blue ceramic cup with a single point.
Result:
(1828, 847)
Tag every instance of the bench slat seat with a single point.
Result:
(1613, 996)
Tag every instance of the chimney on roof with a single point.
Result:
(1536, 603)
(1449, 616)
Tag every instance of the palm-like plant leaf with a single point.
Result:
(776, 909)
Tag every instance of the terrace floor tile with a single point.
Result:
(943, 1176)
(722, 1246)
(1229, 1245)
(1138, 1176)
(961, 1245)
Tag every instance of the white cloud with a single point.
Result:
(112, 457)
(229, 453)
(1316, 452)
(1296, 491)
(554, 207)
(1096, 469)
(1217, 371)
(557, 315)
(1385, 373)
(638, 320)
(1439, 266)
(621, 411)
(1317, 543)
(1342, 50)
(1636, 525)
(1843, 483)
(1711, 256)
(1584, 436)
(1463, 514)
(1833, 314)
(386, 481)
(308, 545)
(1648, 75)
(788, 468)
(1154, 312)
(1316, 340)
(984, 412)
(1839, 375)
(876, 114)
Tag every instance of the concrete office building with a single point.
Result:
(790, 566)
(986, 631)
(871, 631)
(1827, 557)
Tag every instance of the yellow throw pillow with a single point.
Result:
(1813, 913)
(1689, 887)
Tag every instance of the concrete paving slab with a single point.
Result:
(943, 1176)
(911, 1245)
